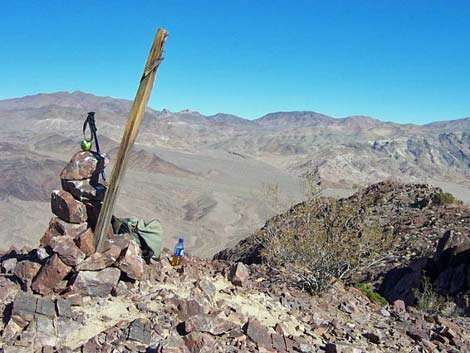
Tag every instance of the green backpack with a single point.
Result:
(147, 235)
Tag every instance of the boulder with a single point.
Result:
(96, 283)
(239, 274)
(67, 208)
(84, 165)
(50, 275)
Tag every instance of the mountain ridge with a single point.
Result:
(67, 96)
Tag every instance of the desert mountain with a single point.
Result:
(204, 176)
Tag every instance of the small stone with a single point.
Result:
(26, 270)
(84, 165)
(59, 227)
(8, 265)
(67, 208)
(86, 242)
(84, 189)
(209, 324)
(8, 290)
(50, 275)
(372, 337)
(239, 274)
(64, 308)
(45, 332)
(96, 283)
(188, 308)
(258, 333)
(96, 262)
(200, 342)
(45, 306)
(138, 331)
(131, 262)
(207, 288)
(68, 252)
(24, 308)
(399, 306)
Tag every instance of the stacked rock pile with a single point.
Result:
(66, 262)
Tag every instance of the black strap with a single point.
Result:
(90, 121)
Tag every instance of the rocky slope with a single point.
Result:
(213, 306)
(428, 238)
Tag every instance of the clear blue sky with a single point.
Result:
(405, 61)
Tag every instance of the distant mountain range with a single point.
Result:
(341, 152)
(220, 161)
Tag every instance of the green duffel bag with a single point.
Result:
(147, 235)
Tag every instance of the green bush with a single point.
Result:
(318, 241)
(371, 294)
(443, 198)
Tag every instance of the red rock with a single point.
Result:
(96, 283)
(59, 227)
(188, 308)
(198, 342)
(68, 252)
(131, 262)
(96, 262)
(86, 242)
(239, 274)
(50, 275)
(258, 333)
(67, 208)
(84, 165)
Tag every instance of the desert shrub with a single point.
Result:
(443, 198)
(319, 240)
(428, 300)
(371, 294)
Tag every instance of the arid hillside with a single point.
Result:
(206, 177)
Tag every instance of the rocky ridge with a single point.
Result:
(427, 239)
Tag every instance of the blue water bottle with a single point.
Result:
(179, 252)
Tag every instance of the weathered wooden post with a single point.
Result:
(129, 136)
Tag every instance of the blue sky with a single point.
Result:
(404, 61)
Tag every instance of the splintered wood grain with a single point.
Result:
(129, 136)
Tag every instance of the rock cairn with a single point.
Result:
(72, 265)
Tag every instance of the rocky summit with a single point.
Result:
(63, 296)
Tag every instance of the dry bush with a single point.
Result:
(319, 240)
(443, 198)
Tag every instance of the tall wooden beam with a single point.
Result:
(129, 136)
